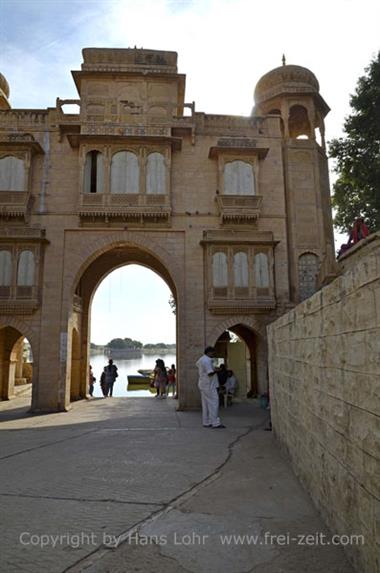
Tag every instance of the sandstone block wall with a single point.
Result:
(324, 368)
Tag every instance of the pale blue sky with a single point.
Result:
(224, 47)
(132, 302)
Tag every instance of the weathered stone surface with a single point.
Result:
(334, 438)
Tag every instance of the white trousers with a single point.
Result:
(210, 406)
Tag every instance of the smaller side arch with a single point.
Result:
(11, 357)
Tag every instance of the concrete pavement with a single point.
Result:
(129, 484)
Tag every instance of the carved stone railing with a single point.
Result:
(14, 204)
(241, 306)
(132, 207)
(18, 299)
(23, 118)
(243, 209)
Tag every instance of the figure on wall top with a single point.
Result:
(358, 232)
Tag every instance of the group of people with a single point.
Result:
(227, 383)
(107, 379)
(214, 384)
(164, 379)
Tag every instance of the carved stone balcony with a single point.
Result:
(135, 208)
(18, 299)
(242, 209)
(14, 204)
(241, 306)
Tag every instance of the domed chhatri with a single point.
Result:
(4, 86)
(285, 79)
(4, 93)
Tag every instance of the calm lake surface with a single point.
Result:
(126, 367)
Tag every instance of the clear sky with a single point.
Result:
(224, 47)
(132, 302)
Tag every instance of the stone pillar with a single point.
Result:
(18, 353)
(49, 395)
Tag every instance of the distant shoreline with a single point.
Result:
(131, 352)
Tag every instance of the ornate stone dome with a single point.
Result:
(4, 86)
(285, 79)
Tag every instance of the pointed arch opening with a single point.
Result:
(299, 123)
(116, 316)
(244, 352)
(16, 367)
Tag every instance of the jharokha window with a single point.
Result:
(12, 174)
(239, 178)
(241, 272)
(18, 277)
(127, 173)
(129, 185)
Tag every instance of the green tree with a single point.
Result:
(122, 343)
(173, 303)
(116, 343)
(357, 189)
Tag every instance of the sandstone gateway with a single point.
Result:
(232, 212)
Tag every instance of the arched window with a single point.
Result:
(5, 268)
(25, 270)
(238, 178)
(12, 174)
(156, 175)
(299, 124)
(261, 271)
(93, 172)
(124, 173)
(308, 267)
(219, 271)
(241, 270)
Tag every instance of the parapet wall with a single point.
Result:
(324, 369)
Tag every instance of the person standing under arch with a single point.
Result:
(208, 386)
(110, 375)
(160, 378)
(172, 381)
(92, 380)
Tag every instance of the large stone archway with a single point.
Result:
(98, 259)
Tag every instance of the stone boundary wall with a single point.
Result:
(324, 369)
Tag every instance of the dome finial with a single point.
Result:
(283, 60)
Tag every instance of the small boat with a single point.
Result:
(147, 372)
(138, 382)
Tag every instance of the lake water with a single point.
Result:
(126, 367)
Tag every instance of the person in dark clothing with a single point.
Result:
(110, 375)
(222, 374)
(91, 380)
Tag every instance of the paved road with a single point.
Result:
(130, 485)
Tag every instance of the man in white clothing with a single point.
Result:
(208, 386)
